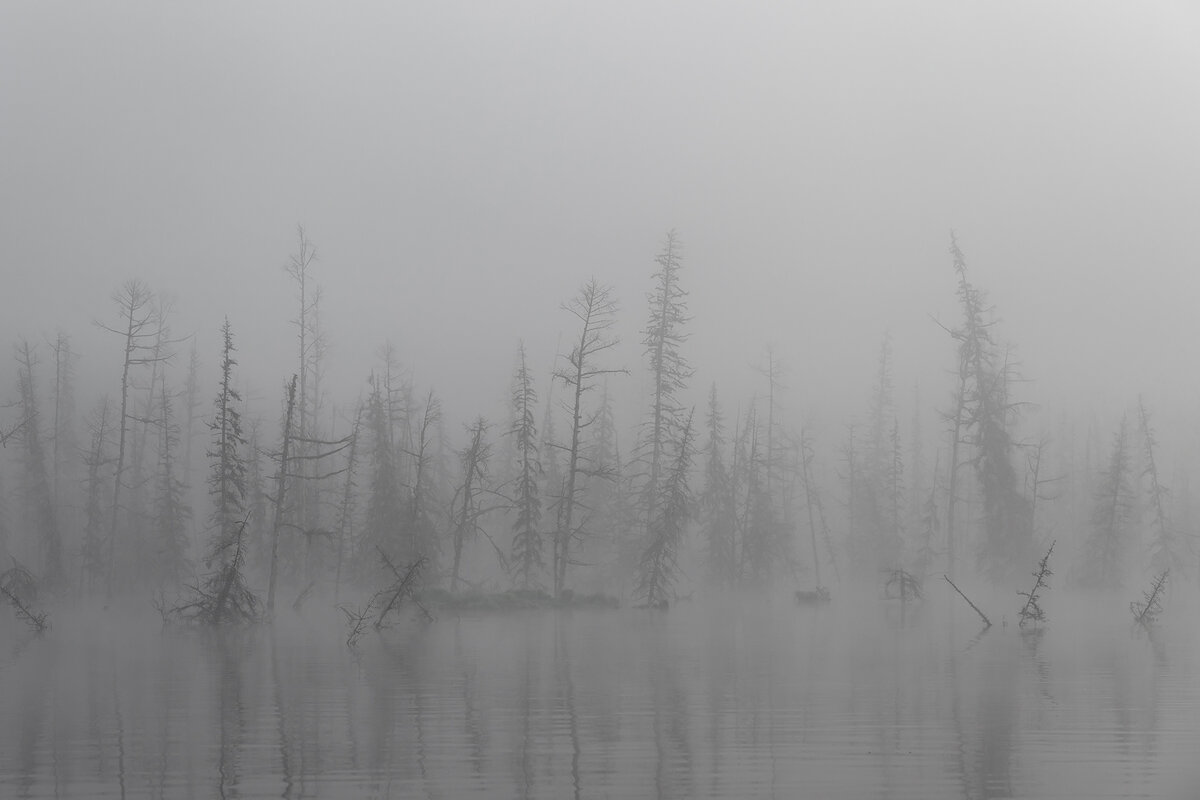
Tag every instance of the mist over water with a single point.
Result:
(440, 400)
(719, 699)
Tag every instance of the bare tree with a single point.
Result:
(311, 347)
(141, 337)
(96, 459)
(38, 492)
(293, 471)
(281, 485)
(421, 540)
(172, 513)
(191, 405)
(346, 507)
(595, 311)
(467, 510)
(384, 524)
(808, 482)
(1035, 479)
(62, 436)
(1164, 545)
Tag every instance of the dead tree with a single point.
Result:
(140, 332)
(281, 492)
(987, 623)
(294, 461)
(404, 586)
(595, 310)
(346, 507)
(1032, 610)
(38, 491)
(467, 511)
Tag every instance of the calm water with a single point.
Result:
(702, 701)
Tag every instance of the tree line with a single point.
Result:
(550, 494)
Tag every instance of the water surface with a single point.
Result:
(717, 700)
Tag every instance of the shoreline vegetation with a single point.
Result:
(217, 508)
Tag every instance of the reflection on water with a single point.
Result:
(702, 701)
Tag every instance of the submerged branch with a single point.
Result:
(986, 622)
(404, 586)
(35, 621)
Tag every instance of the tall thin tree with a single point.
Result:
(139, 331)
(595, 310)
(526, 552)
(38, 491)
(669, 371)
(227, 475)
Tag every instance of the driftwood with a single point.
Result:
(385, 601)
(357, 619)
(404, 586)
(987, 623)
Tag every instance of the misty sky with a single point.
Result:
(464, 167)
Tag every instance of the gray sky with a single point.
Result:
(464, 167)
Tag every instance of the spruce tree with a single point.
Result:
(227, 470)
(717, 502)
(526, 551)
(658, 569)
(1107, 545)
(1165, 551)
(985, 413)
(669, 371)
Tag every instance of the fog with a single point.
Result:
(464, 168)
(835, 183)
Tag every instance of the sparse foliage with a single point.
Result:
(982, 419)
(227, 475)
(526, 553)
(1032, 611)
(222, 597)
(718, 503)
(1147, 610)
(467, 510)
(659, 564)
(595, 311)
(38, 494)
